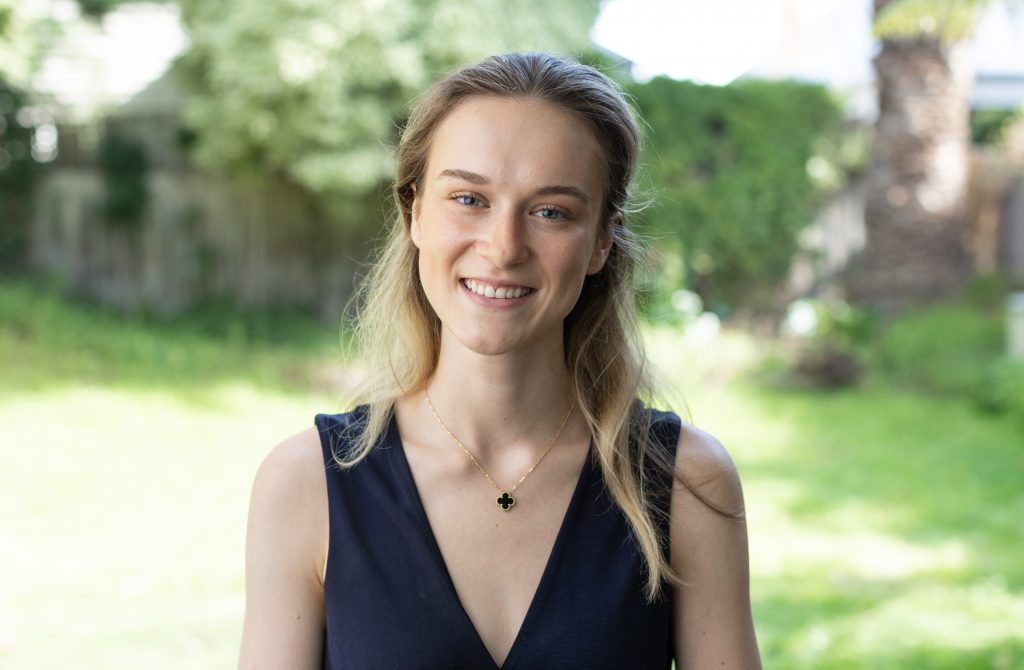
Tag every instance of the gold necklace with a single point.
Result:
(505, 500)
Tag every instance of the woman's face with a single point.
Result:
(509, 205)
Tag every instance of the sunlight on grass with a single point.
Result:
(860, 554)
(885, 527)
(974, 616)
(132, 540)
(882, 524)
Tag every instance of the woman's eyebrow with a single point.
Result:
(571, 191)
(474, 178)
(471, 177)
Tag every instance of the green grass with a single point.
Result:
(886, 527)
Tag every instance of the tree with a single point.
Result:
(314, 90)
(918, 181)
(26, 33)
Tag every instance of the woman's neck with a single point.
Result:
(517, 399)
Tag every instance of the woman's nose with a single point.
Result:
(504, 243)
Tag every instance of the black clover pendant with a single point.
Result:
(505, 501)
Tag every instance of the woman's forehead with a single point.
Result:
(506, 140)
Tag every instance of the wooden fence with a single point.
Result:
(253, 243)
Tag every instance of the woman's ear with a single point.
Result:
(604, 245)
(414, 216)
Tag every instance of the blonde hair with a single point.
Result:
(398, 334)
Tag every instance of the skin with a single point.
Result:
(512, 193)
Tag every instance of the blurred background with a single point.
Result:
(835, 285)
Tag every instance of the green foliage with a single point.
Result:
(315, 90)
(947, 20)
(47, 339)
(1001, 388)
(850, 327)
(124, 165)
(25, 36)
(987, 125)
(826, 365)
(97, 8)
(957, 350)
(18, 171)
(988, 292)
(834, 355)
(944, 349)
(732, 184)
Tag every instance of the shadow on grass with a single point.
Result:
(48, 342)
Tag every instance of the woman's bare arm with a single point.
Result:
(284, 557)
(714, 629)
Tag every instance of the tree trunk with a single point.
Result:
(917, 187)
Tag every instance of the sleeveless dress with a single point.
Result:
(390, 602)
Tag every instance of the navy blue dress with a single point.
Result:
(390, 602)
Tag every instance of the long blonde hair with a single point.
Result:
(398, 334)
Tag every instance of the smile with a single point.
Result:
(509, 292)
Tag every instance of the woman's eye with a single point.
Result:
(551, 213)
(465, 199)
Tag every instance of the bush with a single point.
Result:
(833, 339)
(988, 125)
(1001, 388)
(828, 365)
(732, 186)
(945, 349)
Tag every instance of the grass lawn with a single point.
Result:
(886, 528)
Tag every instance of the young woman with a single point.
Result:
(501, 498)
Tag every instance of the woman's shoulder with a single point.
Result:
(290, 481)
(290, 485)
(709, 472)
(294, 465)
(702, 464)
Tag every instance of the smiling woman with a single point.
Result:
(521, 214)
(500, 497)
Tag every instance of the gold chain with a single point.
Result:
(505, 499)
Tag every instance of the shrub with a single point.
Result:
(828, 365)
(732, 186)
(1001, 388)
(944, 349)
(833, 340)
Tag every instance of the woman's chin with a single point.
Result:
(491, 341)
(489, 346)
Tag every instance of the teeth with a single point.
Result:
(491, 292)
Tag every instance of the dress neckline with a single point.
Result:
(395, 446)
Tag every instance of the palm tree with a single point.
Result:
(917, 186)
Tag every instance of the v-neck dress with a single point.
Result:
(390, 601)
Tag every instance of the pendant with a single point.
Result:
(505, 501)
